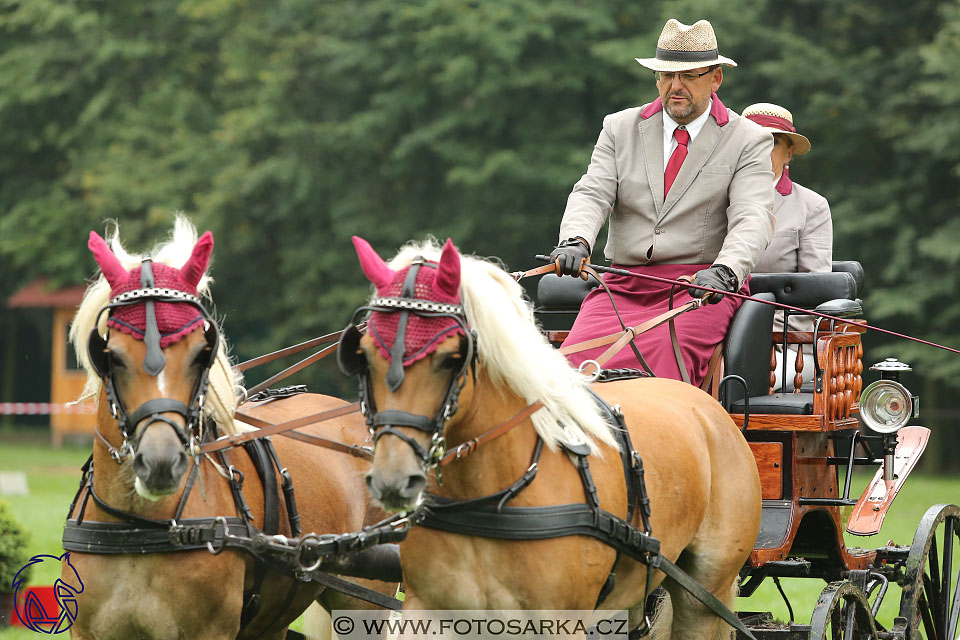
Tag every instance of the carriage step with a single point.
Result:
(792, 568)
(779, 632)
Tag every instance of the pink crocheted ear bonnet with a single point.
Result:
(423, 280)
(174, 320)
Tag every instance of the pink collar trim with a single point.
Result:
(785, 185)
(717, 110)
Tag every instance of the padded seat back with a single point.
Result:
(563, 294)
(746, 351)
(806, 290)
(852, 267)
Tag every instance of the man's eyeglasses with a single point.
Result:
(664, 76)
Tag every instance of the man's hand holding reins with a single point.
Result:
(570, 256)
(717, 276)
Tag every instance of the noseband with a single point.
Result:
(352, 362)
(153, 364)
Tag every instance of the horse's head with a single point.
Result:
(414, 361)
(425, 378)
(154, 361)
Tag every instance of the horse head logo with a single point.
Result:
(32, 613)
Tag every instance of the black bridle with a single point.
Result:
(153, 364)
(352, 362)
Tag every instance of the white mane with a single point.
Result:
(224, 378)
(514, 352)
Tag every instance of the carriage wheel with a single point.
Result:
(842, 613)
(931, 596)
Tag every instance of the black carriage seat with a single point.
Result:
(747, 348)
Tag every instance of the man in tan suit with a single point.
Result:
(688, 188)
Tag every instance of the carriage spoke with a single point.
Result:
(955, 607)
(944, 603)
(925, 617)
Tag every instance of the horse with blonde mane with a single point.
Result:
(454, 370)
(165, 386)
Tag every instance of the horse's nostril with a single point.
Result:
(182, 462)
(415, 484)
(140, 466)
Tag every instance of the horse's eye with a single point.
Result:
(115, 361)
(450, 362)
(202, 359)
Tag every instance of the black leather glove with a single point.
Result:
(717, 276)
(570, 256)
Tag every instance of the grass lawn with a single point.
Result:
(53, 475)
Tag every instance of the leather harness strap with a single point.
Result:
(621, 338)
(287, 351)
(271, 429)
(468, 447)
(289, 371)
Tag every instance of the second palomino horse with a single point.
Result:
(452, 364)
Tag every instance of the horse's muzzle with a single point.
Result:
(160, 466)
(396, 492)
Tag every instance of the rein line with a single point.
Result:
(551, 268)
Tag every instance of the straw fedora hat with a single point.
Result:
(683, 47)
(777, 120)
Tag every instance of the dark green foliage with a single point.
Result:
(286, 127)
(13, 548)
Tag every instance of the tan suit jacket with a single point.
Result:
(802, 241)
(719, 209)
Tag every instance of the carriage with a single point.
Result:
(801, 438)
(797, 441)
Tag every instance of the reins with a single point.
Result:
(267, 429)
(627, 334)
(551, 268)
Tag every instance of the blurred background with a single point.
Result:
(285, 127)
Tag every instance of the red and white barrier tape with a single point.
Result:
(45, 408)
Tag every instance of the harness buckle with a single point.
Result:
(223, 541)
(593, 376)
(304, 546)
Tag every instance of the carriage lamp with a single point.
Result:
(886, 405)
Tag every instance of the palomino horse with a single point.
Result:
(450, 358)
(160, 360)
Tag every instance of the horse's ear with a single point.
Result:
(447, 280)
(196, 264)
(372, 264)
(112, 270)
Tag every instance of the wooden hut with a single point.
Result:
(66, 376)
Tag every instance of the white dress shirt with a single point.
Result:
(670, 143)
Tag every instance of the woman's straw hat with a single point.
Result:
(779, 121)
(683, 47)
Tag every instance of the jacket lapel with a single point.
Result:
(651, 148)
(700, 151)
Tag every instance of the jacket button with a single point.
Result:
(658, 231)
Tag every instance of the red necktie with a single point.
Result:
(679, 154)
